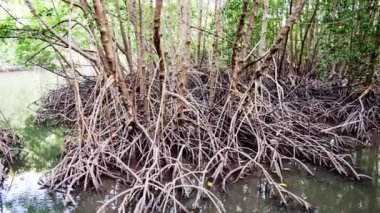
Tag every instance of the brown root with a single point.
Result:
(9, 143)
(353, 111)
(256, 132)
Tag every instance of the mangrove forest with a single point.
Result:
(189, 106)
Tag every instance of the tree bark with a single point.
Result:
(250, 28)
(111, 55)
(264, 27)
(157, 42)
(305, 36)
(143, 77)
(215, 52)
(186, 56)
(200, 21)
(279, 39)
(286, 42)
(247, 39)
(236, 45)
(126, 41)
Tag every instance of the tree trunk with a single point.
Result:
(374, 55)
(279, 39)
(236, 45)
(215, 52)
(305, 36)
(111, 55)
(157, 43)
(250, 28)
(143, 78)
(200, 20)
(264, 27)
(247, 39)
(286, 42)
(186, 57)
(126, 40)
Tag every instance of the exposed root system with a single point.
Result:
(9, 142)
(160, 159)
(353, 111)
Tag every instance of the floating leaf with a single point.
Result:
(283, 184)
(210, 184)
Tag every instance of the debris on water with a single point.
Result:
(245, 188)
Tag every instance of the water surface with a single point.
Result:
(18, 90)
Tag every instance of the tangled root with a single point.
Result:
(353, 111)
(172, 155)
(9, 142)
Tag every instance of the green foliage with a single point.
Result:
(6, 29)
(348, 35)
(344, 31)
(30, 53)
(231, 15)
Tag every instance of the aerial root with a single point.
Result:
(351, 111)
(9, 146)
(171, 157)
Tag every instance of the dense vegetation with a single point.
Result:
(168, 96)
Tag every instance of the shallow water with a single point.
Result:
(326, 191)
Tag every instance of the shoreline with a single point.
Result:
(10, 69)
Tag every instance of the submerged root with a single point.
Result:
(162, 158)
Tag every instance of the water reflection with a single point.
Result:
(42, 147)
(21, 191)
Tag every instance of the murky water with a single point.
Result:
(327, 192)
